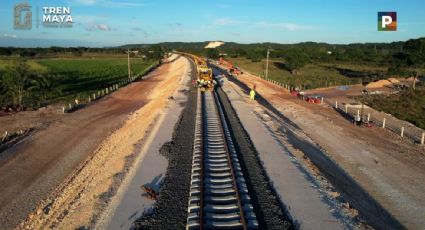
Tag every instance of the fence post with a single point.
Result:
(383, 123)
(70, 106)
(89, 99)
(63, 109)
(423, 138)
(322, 100)
(402, 131)
(346, 108)
(5, 136)
(368, 117)
(94, 96)
(336, 104)
(358, 113)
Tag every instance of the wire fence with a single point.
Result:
(366, 116)
(372, 117)
(79, 103)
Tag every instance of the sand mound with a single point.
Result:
(393, 80)
(213, 45)
(383, 83)
(378, 84)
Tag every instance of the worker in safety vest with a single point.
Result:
(252, 94)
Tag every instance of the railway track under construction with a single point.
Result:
(219, 197)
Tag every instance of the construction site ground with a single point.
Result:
(345, 95)
(389, 168)
(295, 189)
(74, 162)
(149, 168)
(77, 165)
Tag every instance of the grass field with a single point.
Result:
(79, 77)
(311, 75)
(34, 65)
(86, 75)
(408, 105)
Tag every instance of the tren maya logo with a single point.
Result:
(47, 16)
(387, 21)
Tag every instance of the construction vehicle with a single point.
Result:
(232, 69)
(205, 79)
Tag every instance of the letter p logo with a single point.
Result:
(387, 21)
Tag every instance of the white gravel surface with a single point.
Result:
(150, 167)
(300, 196)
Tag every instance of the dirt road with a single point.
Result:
(390, 169)
(44, 160)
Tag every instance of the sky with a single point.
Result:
(102, 23)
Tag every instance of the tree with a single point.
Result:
(16, 81)
(5, 51)
(155, 52)
(44, 85)
(295, 60)
(405, 61)
(212, 53)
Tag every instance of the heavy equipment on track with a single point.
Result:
(205, 79)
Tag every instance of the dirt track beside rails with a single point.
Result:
(388, 168)
(43, 161)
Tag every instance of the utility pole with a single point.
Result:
(414, 79)
(129, 68)
(267, 64)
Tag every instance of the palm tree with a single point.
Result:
(16, 81)
(44, 85)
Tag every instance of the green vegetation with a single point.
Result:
(15, 82)
(36, 82)
(408, 105)
(78, 76)
(321, 64)
(310, 75)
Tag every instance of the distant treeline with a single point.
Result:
(151, 51)
(395, 55)
(399, 57)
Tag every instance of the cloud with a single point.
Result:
(88, 18)
(92, 22)
(94, 27)
(284, 26)
(225, 21)
(10, 35)
(103, 27)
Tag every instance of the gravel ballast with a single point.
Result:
(270, 212)
(170, 211)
